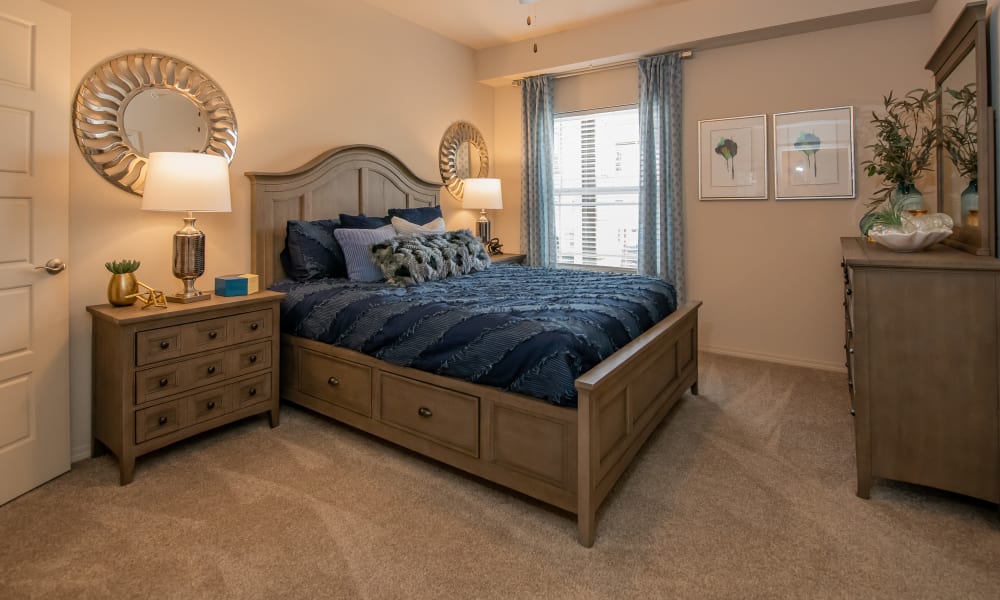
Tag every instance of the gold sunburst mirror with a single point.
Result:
(137, 103)
(463, 154)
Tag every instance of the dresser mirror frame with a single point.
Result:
(104, 96)
(969, 36)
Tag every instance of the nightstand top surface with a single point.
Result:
(136, 314)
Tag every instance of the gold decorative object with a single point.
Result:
(121, 289)
(151, 297)
(462, 154)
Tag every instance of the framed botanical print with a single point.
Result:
(732, 158)
(814, 154)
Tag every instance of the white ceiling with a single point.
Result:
(487, 23)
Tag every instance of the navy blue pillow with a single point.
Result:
(362, 222)
(312, 251)
(421, 215)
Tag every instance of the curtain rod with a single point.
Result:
(599, 68)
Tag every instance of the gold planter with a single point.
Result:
(120, 286)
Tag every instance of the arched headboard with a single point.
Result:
(349, 179)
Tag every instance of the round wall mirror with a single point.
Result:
(463, 154)
(135, 104)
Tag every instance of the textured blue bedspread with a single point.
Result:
(525, 330)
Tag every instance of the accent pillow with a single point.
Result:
(420, 215)
(362, 222)
(415, 258)
(357, 246)
(311, 250)
(404, 226)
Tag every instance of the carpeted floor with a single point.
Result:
(745, 491)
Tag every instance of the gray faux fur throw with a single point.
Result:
(414, 258)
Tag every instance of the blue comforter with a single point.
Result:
(525, 330)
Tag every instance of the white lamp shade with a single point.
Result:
(187, 181)
(482, 193)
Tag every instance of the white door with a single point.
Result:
(34, 303)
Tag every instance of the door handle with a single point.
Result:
(54, 266)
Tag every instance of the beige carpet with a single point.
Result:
(746, 491)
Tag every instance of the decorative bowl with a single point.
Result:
(915, 234)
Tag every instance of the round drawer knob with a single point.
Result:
(164, 381)
(252, 391)
(333, 381)
(164, 345)
(211, 370)
(213, 334)
(253, 358)
(210, 405)
(162, 420)
(254, 326)
(425, 412)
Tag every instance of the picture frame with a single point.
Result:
(732, 158)
(814, 154)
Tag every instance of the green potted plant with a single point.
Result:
(960, 140)
(905, 137)
(123, 282)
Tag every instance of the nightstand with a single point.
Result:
(513, 259)
(162, 375)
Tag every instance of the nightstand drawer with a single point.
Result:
(447, 417)
(207, 369)
(205, 335)
(157, 344)
(252, 326)
(336, 381)
(247, 359)
(206, 405)
(251, 391)
(158, 382)
(157, 420)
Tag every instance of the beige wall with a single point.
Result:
(301, 82)
(768, 272)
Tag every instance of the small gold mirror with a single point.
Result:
(138, 103)
(463, 155)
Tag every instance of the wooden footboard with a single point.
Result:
(623, 399)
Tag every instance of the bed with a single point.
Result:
(566, 456)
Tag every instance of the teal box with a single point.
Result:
(236, 285)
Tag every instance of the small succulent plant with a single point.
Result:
(125, 265)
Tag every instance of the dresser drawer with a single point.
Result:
(205, 335)
(205, 405)
(159, 382)
(250, 391)
(247, 359)
(444, 416)
(157, 420)
(336, 381)
(157, 344)
(252, 326)
(207, 369)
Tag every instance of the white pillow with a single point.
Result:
(404, 226)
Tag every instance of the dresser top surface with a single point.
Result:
(858, 252)
(137, 314)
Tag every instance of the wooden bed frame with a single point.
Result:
(570, 458)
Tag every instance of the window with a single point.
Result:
(596, 164)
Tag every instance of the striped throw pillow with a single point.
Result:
(357, 246)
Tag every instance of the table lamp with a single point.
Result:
(187, 182)
(482, 193)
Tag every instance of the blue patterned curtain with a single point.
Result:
(538, 214)
(661, 200)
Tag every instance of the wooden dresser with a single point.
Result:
(923, 361)
(162, 375)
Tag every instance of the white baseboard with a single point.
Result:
(79, 453)
(783, 360)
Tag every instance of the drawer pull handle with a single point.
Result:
(252, 391)
(850, 350)
(164, 381)
(852, 412)
(254, 326)
(210, 405)
(213, 334)
(164, 345)
(253, 358)
(211, 370)
(162, 420)
(849, 292)
(333, 381)
(425, 412)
